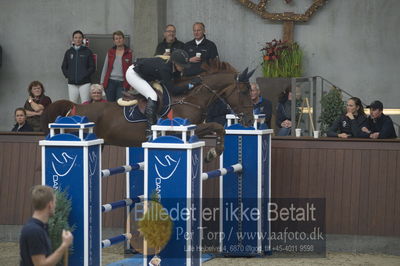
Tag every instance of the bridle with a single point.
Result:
(218, 95)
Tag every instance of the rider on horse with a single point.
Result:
(147, 70)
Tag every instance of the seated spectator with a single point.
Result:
(170, 42)
(349, 125)
(35, 104)
(284, 113)
(96, 94)
(379, 125)
(260, 104)
(20, 118)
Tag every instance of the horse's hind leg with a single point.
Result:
(211, 128)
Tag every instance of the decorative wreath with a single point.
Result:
(261, 9)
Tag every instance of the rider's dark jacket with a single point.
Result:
(151, 69)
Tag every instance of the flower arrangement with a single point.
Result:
(156, 227)
(282, 59)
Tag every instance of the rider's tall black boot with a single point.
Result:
(151, 116)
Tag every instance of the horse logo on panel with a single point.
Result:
(63, 164)
(92, 163)
(264, 154)
(195, 166)
(166, 167)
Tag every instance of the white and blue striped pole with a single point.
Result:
(115, 240)
(223, 171)
(119, 204)
(122, 169)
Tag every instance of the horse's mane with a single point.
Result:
(49, 115)
(217, 66)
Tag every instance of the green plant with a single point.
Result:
(282, 59)
(59, 220)
(332, 106)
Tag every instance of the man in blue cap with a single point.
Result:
(380, 126)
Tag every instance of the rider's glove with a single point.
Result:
(194, 82)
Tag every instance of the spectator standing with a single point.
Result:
(379, 125)
(200, 49)
(20, 118)
(170, 42)
(78, 67)
(96, 94)
(117, 61)
(349, 125)
(35, 104)
(34, 242)
(260, 104)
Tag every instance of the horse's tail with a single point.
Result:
(49, 115)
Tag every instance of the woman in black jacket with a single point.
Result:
(78, 67)
(20, 118)
(349, 125)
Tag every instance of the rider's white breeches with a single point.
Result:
(139, 84)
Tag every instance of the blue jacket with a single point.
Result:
(78, 65)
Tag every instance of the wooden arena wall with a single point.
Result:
(360, 180)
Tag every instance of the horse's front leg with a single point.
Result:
(211, 128)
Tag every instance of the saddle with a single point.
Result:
(133, 105)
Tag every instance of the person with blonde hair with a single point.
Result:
(96, 94)
(34, 242)
(117, 61)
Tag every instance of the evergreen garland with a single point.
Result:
(59, 220)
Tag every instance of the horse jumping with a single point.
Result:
(220, 81)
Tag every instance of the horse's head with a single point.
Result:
(222, 81)
(238, 97)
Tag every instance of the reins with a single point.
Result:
(216, 94)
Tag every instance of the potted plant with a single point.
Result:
(332, 105)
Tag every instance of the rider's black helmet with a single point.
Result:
(180, 57)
